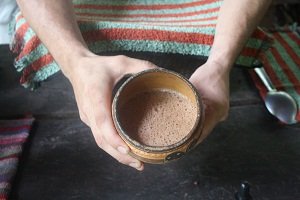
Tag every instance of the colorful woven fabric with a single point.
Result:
(184, 27)
(13, 133)
(282, 64)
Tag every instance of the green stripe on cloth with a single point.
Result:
(200, 24)
(133, 2)
(34, 55)
(162, 11)
(46, 71)
(41, 75)
(287, 58)
(20, 22)
(245, 61)
(149, 45)
(278, 70)
(291, 42)
(29, 33)
(106, 25)
(202, 17)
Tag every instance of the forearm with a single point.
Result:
(54, 23)
(236, 22)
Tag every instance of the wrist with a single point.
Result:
(225, 49)
(212, 71)
(221, 57)
(218, 65)
(72, 61)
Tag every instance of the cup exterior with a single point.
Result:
(160, 155)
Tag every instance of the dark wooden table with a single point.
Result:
(62, 160)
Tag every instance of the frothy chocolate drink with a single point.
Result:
(158, 117)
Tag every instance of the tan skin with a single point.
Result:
(93, 76)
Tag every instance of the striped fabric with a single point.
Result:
(13, 133)
(282, 64)
(184, 27)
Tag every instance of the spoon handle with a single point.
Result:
(260, 71)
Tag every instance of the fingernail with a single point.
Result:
(141, 168)
(136, 165)
(123, 150)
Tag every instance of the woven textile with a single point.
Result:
(282, 64)
(13, 133)
(184, 27)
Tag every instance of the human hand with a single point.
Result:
(93, 78)
(212, 82)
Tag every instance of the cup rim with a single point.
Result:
(149, 148)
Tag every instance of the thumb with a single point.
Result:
(133, 67)
(139, 65)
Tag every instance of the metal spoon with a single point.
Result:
(279, 103)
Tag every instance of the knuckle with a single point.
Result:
(99, 142)
(120, 58)
(83, 117)
(110, 140)
(83, 109)
(148, 64)
(121, 160)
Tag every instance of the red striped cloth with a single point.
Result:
(13, 134)
(282, 64)
(184, 27)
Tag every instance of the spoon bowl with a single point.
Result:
(282, 105)
(279, 103)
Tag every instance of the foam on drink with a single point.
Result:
(158, 117)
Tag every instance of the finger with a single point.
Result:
(124, 159)
(108, 140)
(103, 127)
(83, 117)
(81, 109)
(102, 121)
(209, 123)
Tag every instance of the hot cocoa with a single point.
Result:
(158, 117)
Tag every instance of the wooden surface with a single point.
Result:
(62, 160)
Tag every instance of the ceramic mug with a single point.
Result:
(150, 80)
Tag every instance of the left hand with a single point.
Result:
(212, 82)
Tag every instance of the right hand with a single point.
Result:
(93, 78)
